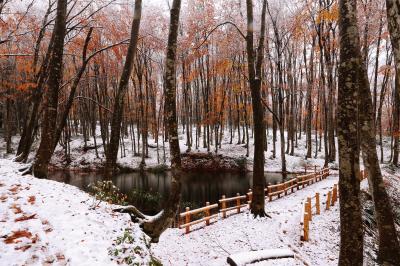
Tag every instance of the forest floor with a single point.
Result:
(86, 158)
(44, 222)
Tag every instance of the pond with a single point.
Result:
(197, 188)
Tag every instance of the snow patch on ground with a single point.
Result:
(57, 223)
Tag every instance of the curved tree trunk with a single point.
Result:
(49, 122)
(112, 149)
(164, 219)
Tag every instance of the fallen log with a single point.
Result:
(249, 257)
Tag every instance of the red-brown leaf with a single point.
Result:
(13, 238)
(24, 218)
(16, 208)
(23, 248)
(31, 199)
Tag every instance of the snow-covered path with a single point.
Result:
(239, 233)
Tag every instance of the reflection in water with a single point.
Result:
(197, 188)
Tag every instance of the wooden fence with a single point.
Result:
(307, 207)
(236, 204)
(313, 203)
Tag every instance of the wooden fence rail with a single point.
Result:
(239, 202)
(206, 216)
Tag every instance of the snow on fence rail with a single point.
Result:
(239, 202)
(206, 211)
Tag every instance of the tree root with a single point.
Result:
(152, 226)
(27, 170)
(136, 215)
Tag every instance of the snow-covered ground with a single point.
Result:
(89, 160)
(61, 227)
(44, 222)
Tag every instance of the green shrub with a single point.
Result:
(107, 191)
(125, 250)
(148, 201)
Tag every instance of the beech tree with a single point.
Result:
(254, 66)
(351, 227)
(45, 151)
(112, 149)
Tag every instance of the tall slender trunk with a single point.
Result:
(254, 69)
(155, 227)
(351, 228)
(49, 122)
(112, 149)
(393, 15)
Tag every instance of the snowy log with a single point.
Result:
(245, 258)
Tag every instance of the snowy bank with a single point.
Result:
(44, 222)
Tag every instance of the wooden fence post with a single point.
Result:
(223, 207)
(334, 194)
(187, 220)
(306, 227)
(317, 203)
(328, 200)
(238, 203)
(309, 208)
(305, 169)
(207, 214)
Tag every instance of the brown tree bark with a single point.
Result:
(389, 248)
(351, 228)
(49, 122)
(393, 16)
(154, 228)
(112, 148)
(254, 71)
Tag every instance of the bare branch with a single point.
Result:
(219, 25)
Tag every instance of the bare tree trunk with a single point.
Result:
(112, 149)
(49, 122)
(310, 79)
(164, 220)
(254, 69)
(351, 228)
(8, 126)
(393, 15)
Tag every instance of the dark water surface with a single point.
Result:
(197, 188)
